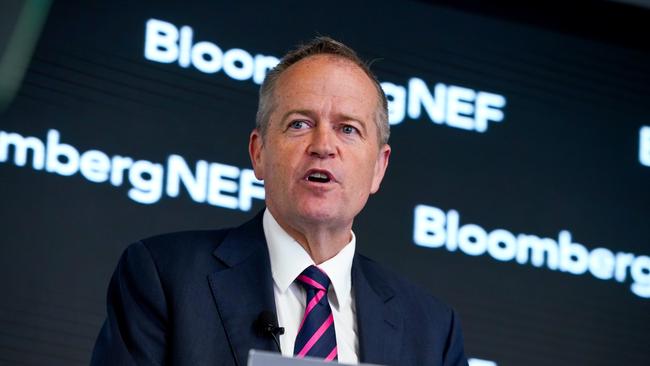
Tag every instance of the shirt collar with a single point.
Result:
(289, 259)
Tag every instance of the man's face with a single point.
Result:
(320, 158)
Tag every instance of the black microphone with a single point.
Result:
(267, 324)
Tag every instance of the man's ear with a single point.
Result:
(255, 149)
(380, 167)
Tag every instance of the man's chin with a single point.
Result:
(322, 215)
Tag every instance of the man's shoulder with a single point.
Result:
(175, 252)
(390, 283)
(175, 243)
(183, 247)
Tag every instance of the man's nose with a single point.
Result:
(323, 143)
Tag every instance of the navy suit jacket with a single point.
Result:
(191, 298)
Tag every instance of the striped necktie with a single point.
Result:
(316, 336)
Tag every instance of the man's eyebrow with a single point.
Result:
(312, 114)
(305, 112)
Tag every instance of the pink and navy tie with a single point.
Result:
(316, 336)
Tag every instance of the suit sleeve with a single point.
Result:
(454, 354)
(134, 332)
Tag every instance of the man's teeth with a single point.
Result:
(318, 177)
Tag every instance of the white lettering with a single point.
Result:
(623, 261)
(95, 166)
(543, 250)
(396, 97)
(146, 178)
(221, 181)
(472, 239)
(120, 164)
(219, 184)
(262, 65)
(177, 171)
(212, 63)
(419, 95)
(640, 273)
(185, 47)
(488, 108)
(238, 64)
(644, 145)
(502, 245)
(21, 146)
(432, 228)
(459, 107)
(55, 151)
(429, 226)
(573, 256)
(160, 41)
(453, 220)
(601, 263)
(249, 188)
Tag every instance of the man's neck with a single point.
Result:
(322, 245)
(320, 241)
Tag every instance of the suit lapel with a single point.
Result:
(379, 323)
(244, 288)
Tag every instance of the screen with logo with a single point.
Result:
(518, 189)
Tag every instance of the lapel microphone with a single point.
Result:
(267, 324)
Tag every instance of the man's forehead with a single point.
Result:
(327, 75)
(317, 65)
(340, 93)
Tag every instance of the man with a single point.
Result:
(193, 298)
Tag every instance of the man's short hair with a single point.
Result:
(319, 46)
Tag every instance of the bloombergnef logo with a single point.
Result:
(216, 184)
(452, 105)
(434, 228)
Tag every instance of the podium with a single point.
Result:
(264, 358)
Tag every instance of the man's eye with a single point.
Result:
(348, 130)
(297, 125)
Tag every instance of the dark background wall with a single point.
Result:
(566, 156)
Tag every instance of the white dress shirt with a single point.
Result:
(288, 260)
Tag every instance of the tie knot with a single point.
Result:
(314, 278)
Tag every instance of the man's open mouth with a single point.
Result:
(319, 177)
